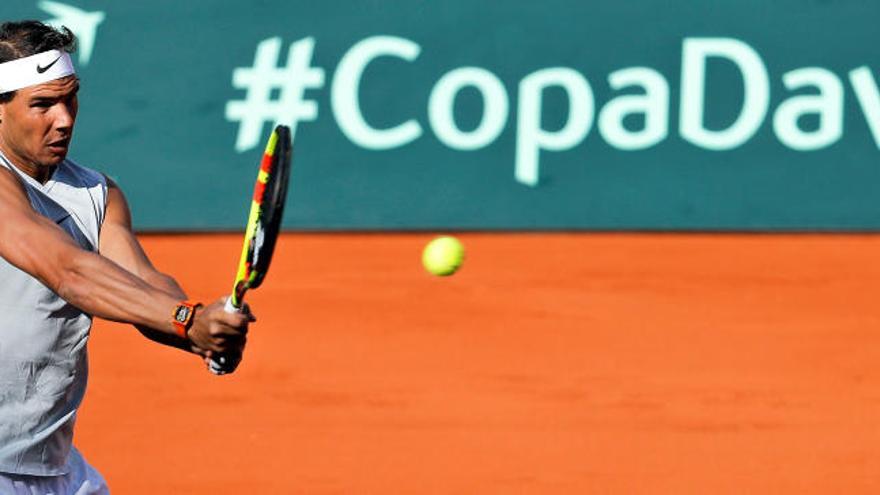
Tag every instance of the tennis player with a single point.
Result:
(67, 253)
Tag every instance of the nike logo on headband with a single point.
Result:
(44, 69)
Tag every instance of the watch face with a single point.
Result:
(182, 314)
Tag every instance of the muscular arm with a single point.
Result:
(100, 285)
(85, 279)
(119, 244)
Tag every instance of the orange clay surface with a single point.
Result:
(563, 364)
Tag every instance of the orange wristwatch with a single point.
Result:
(183, 316)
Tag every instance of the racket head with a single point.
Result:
(267, 211)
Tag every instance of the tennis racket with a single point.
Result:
(263, 226)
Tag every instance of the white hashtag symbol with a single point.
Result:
(291, 81)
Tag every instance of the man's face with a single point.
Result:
(37, 125)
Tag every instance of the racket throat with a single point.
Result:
(238, 294)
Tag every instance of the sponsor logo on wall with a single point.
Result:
(275, 88)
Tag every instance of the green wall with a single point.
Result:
(590, 115)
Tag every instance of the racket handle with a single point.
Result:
(222, 364)
(229, 307)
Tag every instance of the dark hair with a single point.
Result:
(25, 38)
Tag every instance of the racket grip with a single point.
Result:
(229, 307)
(222, 364)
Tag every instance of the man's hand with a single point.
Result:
(215, 331)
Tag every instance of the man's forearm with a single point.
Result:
(166, 339)
(102, 288)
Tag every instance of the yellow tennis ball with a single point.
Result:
(443, 255)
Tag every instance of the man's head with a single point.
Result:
(36, 121)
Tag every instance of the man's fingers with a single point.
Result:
(246, 309)
(221, 334)
(226, 339)
(237, 322)
(221, 330)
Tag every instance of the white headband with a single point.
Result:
(33, 70)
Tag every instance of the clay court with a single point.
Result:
(560, 364)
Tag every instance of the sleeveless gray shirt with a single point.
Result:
(43, 362)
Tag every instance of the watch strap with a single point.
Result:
(183, 316)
